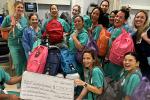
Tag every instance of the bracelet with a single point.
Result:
(85, 85)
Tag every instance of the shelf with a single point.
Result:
(142, 7)
(58, 2)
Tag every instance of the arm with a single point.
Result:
(127, 98)
(14, 80)
(145, 37)
(76, 41)
(26, 41)
(89, 87)
(8, 97)
(65, 25)
(7, 25)
(82, 94)
(6, 28)
(94, 89)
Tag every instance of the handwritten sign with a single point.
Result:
(44, 87)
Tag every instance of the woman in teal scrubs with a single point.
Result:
(94, 86)
(113, 70)
(95, 27)
(54, 15)
(5, 78)
(31, 35)
(131, 75)
(76, 10)
(16, 28)
(78, 40)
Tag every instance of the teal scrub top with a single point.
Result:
(97, 80)
(87, 23)
(65, 25)
(72, 25)
(96, 32)
(82, 37)
(18, 32)
(115, 32)
(129, 83)
(5, 77)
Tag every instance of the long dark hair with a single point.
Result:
(132, 54)
(94, 9)
(104, 1)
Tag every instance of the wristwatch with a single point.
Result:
(85, 85)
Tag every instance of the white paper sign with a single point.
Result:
(44, 87)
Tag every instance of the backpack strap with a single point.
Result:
(13, 22)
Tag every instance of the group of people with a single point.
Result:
(26, 34)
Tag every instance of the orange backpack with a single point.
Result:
(102, 42)
(5, 33)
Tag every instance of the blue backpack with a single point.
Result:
(68, 62)
(53, 63)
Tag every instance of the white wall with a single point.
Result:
(136, 6)
(2, 5)
(44, 8)
(84, 4)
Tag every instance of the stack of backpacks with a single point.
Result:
(49, 58)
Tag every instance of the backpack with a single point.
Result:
(37, 59)
(142, 92)
(102, 42)
(112, 88)
(54, 31)
(5, 33)
(120, 46)
(53, 63)
(91, 44)
(68, 62)
(112, 91)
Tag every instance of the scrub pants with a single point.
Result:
(18, 56)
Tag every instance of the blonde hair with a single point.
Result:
(17, 3)
(144, 28)
(79, 7)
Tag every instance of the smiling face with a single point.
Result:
(95, 15)
(19, 9)
(34, 21)
(78, 23)
(54, 11)
(104, 6)
(88, 60)
(139, 19)
(111, 18)
(119, 19)
(130, 62)
(75, 10)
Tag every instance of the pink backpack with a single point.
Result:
(121, 45)
(37, 59)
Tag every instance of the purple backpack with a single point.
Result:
(142, 92)
(91, 44)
